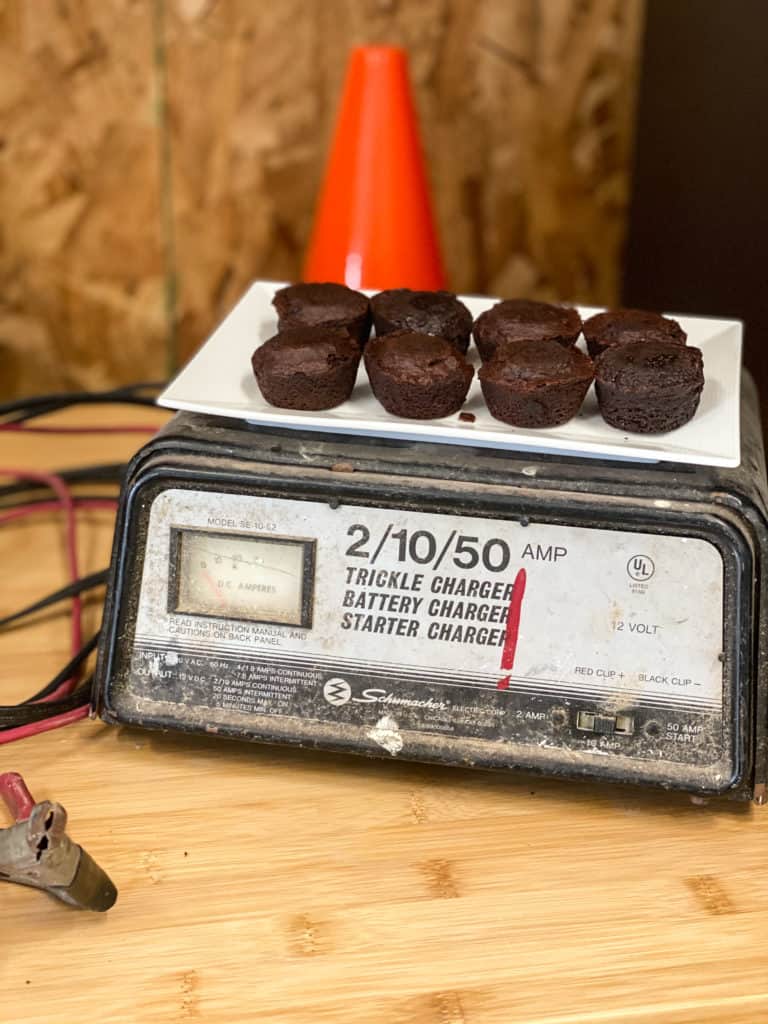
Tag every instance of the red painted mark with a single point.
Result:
(16, 796)
(513, 627)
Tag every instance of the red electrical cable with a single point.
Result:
(55, 722)
(67, 503)
(59, 487)
(47, 506)
(61, 691)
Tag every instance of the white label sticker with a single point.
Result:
(618, 616)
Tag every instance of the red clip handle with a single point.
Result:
(16, 796)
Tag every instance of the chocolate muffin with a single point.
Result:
(620, 326)
(649, 387)
(417, 376)
(323, 305)
(535, 383)
(307, 367)
(525, 320)
(438, 313)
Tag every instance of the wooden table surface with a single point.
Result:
(265, 884)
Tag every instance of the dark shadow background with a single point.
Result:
(698, 226)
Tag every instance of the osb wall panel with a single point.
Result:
(82, 273)
(158, 155)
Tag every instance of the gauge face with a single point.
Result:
(231, 576)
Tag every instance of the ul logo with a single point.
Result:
(640, 568)
(337, 691)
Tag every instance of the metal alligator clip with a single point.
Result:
(36, 851)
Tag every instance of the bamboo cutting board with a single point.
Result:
(258, 883)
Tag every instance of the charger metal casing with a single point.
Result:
(316, 682)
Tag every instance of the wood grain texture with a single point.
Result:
(263, 884)
(81, 269)
(159, 155)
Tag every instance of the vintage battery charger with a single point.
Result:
(440, 603)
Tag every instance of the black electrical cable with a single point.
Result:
(87, 399)
(42, 499)
(21, 410)
(12, 715)
(62, 399)
(63, 674)
(94, 579)
(26, 714)
(36, 709)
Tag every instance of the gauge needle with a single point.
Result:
(214, 589)
(259, 564)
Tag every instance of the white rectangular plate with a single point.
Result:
(219, 381)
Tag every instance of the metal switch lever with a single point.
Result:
(37, 851)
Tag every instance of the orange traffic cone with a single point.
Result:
(373, 226)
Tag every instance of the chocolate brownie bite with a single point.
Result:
(535, 383)
(437, 313)
(649, 387)
(525, 320)
(323, 305)
(623, 326)
(307, 367)
(416, 375)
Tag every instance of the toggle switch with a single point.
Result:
(605, 725)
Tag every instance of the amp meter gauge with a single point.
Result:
(231, 576)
